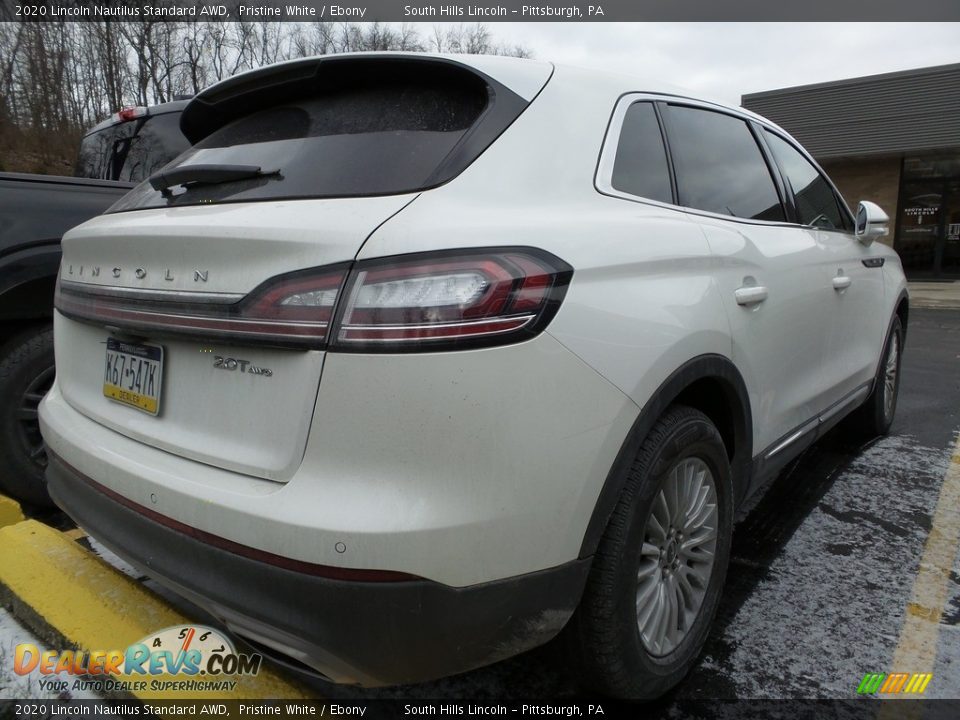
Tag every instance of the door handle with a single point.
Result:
(841, 282)
(750, 295)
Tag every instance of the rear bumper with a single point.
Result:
(371, 633)
(464, 468)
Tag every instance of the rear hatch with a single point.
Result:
(192, 317)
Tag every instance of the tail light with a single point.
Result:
(289, 310)
(130, 113)
(425, 302)
(458, 300)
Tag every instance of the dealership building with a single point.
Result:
(893, 139)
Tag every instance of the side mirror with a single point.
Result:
(871, 222)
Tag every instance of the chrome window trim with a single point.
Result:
(603, 180)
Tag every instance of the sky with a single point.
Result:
(726, 60)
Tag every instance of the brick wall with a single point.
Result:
(875, 179)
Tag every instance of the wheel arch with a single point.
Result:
(27, 279)
(710, 383)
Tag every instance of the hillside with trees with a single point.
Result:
(58, 79)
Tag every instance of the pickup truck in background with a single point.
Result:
(35, 211)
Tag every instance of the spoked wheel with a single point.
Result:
(26, 374)
(27, 414)
(891, 378)
(657, 574)
(875, 416)
(677, 556)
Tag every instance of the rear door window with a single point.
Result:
(640, 167)
(719, 166)
(817, 203)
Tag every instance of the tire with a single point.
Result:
(26, 373)
(613, 655)
(875, 416)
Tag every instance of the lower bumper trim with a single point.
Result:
(368, 633)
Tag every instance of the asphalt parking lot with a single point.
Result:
(824, 565)
(847, 565)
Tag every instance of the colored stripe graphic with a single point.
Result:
(870, 683)
(900, 682)
(914, 683)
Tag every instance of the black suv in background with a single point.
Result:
(35, 211)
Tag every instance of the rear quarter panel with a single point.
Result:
(643, 300)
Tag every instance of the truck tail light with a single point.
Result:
(407, 303)
(130, 113)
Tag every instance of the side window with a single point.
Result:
(640, 167)
(816, 202)
(719, 165)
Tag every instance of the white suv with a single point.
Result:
(413, 362)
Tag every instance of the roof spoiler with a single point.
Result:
(225, 101)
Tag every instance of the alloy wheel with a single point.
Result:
(890, 376)
(677, 557)
(27, 415)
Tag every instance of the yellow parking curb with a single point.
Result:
(73, 599)
(10, 512)
(74, 534)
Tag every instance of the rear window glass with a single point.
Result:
(376, 139)
(131, 151)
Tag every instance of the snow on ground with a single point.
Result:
(26, 687)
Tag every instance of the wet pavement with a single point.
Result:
(823, 568)
(823, 565)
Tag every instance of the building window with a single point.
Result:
(928, 223)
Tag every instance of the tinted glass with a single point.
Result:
(157, 142)
(640, 167)
(131, 151)
(102, 153)
(377, 139)
(816, 202)
(719, 165)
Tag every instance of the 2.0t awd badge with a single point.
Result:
(244, 366)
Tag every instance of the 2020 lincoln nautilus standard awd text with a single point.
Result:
(411, 363)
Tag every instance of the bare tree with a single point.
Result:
(59, 78)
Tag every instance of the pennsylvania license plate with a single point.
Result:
(132, 374)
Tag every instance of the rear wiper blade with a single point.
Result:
(205, 174)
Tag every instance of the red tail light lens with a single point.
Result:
(130, 113)
(427, 302)
(448, 301)
(289, 310)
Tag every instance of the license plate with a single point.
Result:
(132, 374)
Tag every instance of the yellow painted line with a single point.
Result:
(74, 600)
(10, 512)
(917, 648)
